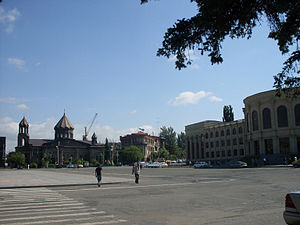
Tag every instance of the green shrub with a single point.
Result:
(33, 165)
(51, 166)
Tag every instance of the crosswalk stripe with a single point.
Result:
(104, 222)
(42, 206)
(50, 216)
(42, 210)
(54, 211)
(36, 200)
(39, 203)
(61, 221)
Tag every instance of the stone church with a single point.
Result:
(61, 149)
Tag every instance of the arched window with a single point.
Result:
(217, 134)
(297, 115)
(254, 121)
(282, 117)
(227, 132)
(240, 130)
(267, 118)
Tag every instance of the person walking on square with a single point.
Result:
(136, 171)
(98, 174)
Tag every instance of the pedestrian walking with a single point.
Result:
(98, 174)
(136, 171)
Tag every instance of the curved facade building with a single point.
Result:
(272, 126)
(270, 129)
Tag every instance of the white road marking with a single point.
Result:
(71, 220)
(42, 206)
(50, 216)
(105, 222)
(47, 211)
(40, 203)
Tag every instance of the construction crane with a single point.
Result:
(87, 131)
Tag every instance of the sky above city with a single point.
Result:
(86, 57)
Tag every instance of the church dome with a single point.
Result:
(64, 123)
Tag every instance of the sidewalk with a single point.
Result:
(49, 178)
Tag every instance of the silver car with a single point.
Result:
(291, 214)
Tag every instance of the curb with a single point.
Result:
(59, 185)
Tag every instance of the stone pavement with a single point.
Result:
(12, 178)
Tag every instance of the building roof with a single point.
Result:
(64, 123)
(38, 142)
(24, 123)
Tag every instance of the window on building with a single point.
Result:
(229, 153)
(233, 131)
(228, 142)
(207, 154)
(254, 120)
(206, 145)
(297, 114)
(218, 154)
(234, 142)
(282, 117)
(217, 143)
(217, 134)
(268, 146)
(240, 130)
(284, 145)
(227, 132)
(212, 154)
(211, 135)
(242, 152)
(222, 133)
(211, 144)
(223, 153)
(222, 143)
(248, 122)
(266, 118)
(241, 141)
(235, 152)
(198, 150)
(206, 135)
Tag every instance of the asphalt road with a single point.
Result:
(183, 196)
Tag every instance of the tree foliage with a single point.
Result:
(16, 159)
(218, 19)
(131, 154)
(228, 113)
(169, 136)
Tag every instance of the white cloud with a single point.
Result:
(8, 100)
(8, 18)
(19, 63)
(38, 64)
(188, 97)
(215, 99)
(133, 112)
(22, 106)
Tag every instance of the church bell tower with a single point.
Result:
(23, 136)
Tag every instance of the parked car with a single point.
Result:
(291, 214)
(296, 164)
(201, 165)
(163, 164)
(154, 165)
(118, 164)
(237, 164)
(71, 166)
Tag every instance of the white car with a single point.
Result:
(201, 165)
(154, 165)
(163, 165)
(291, 214)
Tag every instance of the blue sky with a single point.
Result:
(88, 57)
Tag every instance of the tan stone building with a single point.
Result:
(147, 143)
(270, 129)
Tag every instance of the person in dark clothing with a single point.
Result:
(98, 174)
(136, 171)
